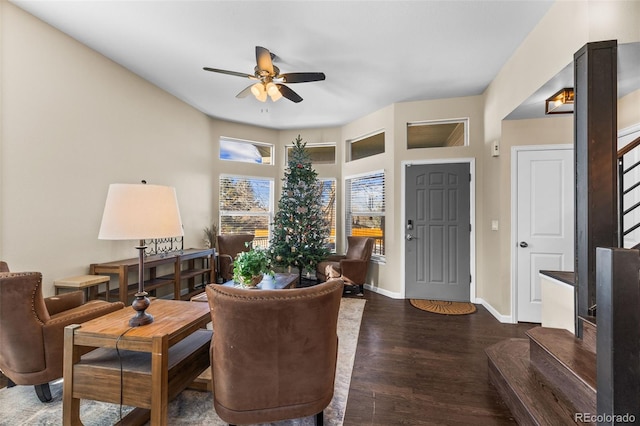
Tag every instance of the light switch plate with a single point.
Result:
(495, 148)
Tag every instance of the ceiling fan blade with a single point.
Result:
(244, 93)
(263, 59)
(302, 77)
(288, 93)
(237, 74)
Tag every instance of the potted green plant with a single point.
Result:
(250, 266)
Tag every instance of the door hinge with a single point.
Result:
(469, 227)
(470, 279)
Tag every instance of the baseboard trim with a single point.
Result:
(508, 319)
(383, 292)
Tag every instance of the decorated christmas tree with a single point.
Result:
(300, 230)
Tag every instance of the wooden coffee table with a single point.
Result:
(159, 360)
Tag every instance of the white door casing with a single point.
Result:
(543, 222)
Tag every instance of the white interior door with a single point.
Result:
(545, 223)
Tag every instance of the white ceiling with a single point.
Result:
(374, 53)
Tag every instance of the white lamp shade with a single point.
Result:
(139, 212)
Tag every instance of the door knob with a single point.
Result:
(524, 244)
(409, 237)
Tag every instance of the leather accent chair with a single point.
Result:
(273, 352)
(229, 245)
(351, 267)
(32, 328)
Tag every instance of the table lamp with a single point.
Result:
(140, 212)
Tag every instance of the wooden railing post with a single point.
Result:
(618, 337)
(595, 121)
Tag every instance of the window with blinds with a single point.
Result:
(245, 151)
(246, 207)
(329, 208)
(365, 208)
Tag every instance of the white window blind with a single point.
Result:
(365, 208)
(246, 207)
(329, 207)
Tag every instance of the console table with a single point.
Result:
(159, 360)
(183, 271)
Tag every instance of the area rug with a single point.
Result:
(20, 405)
(444, 307)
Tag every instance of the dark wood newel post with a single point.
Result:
(595, 135)
(618, 347)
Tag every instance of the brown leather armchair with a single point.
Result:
(273, 352)
(229, 245)
(352, 266)
(32, 328)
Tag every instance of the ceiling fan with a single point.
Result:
(270, 81)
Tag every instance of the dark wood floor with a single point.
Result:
(417, 368)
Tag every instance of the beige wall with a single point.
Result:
(567, 27)
(73, 122)
(629, 110)
(542, 131)
(441, 109)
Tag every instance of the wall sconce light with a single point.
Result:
(560, 103)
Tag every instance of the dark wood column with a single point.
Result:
(618, 347)
(595, 133)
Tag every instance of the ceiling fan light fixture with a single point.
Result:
(560, 103)
(273, 91)
(266, 73)
(259, 92)
(271, 88)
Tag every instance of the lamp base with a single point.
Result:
(140, 304)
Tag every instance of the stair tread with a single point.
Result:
(569, 351)
(590, 319)
(536, 398)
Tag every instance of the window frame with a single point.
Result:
(334, 219)
(349, 213)
(269, 214)
(351, 142)
(463, 120)
(314, 145)
(256, 144)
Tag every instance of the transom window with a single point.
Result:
(246, 206)
(318, 153)
(245, 151)
(366, 146)
(438, 134)
(365, 208)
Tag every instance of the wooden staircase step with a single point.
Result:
(530, 397)
(589, 332)
(566, 362)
